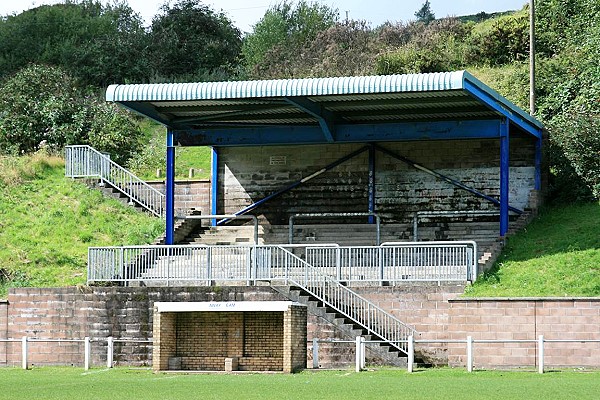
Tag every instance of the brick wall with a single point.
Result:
(258, 341)
(246, 176)
(188, 195)
(294, 338)
(120, 312)
(526, 319)
(433, 310)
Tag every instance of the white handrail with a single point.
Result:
(84, 161)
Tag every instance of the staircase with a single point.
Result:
(349, 306)
(382, 354)
(87, 162)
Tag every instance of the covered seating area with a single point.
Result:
(272, 138)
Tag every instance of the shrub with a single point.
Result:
(44, 106)
(500, 40)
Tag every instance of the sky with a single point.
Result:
(245, 13)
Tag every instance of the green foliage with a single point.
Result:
(152, 156)
(343, 49)
(500, 40)
(425, 13)
(434, 47)
(44, 106)
(190, 41)
(48, 222)
(577, 138)
(98, 44)
(285, 27)
(558, 255)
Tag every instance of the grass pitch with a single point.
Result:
(125, 383)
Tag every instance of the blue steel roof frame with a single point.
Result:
(298, 92)
(502, 105)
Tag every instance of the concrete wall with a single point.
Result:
(98, 313)
(247, 175)
(526, 319)
(435, 311)
(188, 195)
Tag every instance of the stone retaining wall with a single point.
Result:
(525, 319)
(188, 195)
(434, 310)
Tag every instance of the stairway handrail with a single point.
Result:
(371, 309)
(102, 168)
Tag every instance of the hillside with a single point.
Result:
(557, 255)
(47, 223)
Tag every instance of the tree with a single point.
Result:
(425, 14)
(98, 44)
(190, 41)
(285, 27)
(45, 105)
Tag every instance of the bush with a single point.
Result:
(500, 40)
(435, 47)
(576, 151)
(43, 106)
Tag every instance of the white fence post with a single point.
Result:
(110, 343)
(541, 354)
(411, 353)
(363, 353)
(87, 350)
(24, 363)
(358, 355)
(315, 351)
(469, 354)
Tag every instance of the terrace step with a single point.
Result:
(383, 353)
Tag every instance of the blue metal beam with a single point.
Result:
(538, 164)
(444, 178)
(214, 184)
(495, 105)
(371, 183)
(324, 116)
(148, 111)
(348, 133)
(504, 178)
(170, 191)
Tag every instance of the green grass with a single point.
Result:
(47, 223)
(557, 255)
(122, 383)
(152, 156)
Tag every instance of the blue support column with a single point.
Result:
(170, 190)
(504, 177)
(538, 164)
(371, 183)
(214, 184)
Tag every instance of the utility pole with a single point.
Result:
(532, 57)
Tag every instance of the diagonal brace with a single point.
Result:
(325, 117)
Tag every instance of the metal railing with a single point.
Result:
(318, 270)
(335, 215)
(86, 162)
(345, 301)
(390, 262)
(228, 217)
(84, 354)
(360, 343)
(446, 214)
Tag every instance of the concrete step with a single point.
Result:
(342, 324)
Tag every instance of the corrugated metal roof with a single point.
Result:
(446, 96)
(287, 87)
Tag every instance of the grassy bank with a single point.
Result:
(47, 223)
(121, 383)
(557, 255)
